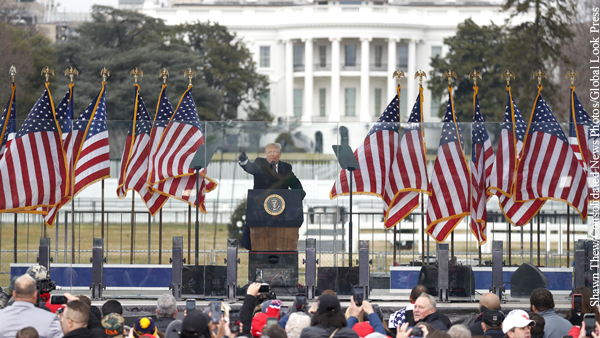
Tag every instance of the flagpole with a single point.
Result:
(423, 231)
(131, 255)
(421, 74)
(189, 236)
(538, 237)
(568, 230)
(102, 211)
(399, 75)
(160, 236)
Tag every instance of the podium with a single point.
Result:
(273, 217)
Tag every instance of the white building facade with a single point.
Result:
(333, 61)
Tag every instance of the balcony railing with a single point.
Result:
(299, 68)
(378, 67)
(355, 66)
(322, 66)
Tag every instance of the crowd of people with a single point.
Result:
(267, 318)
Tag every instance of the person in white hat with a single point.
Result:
(517, 324)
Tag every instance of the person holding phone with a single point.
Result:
(328, 321)
(374, 322)
(575, 316)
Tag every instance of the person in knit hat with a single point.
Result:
(144, 325)
(296, 323)
(273, 310)
(258, 323)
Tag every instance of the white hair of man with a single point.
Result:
(430, 298)
(273, 145)
(459, 331)
(166, 306)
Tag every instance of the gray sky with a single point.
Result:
(83, 5)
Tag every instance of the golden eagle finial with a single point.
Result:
(572, 75)
(104, 73)
(164, 73)
(507, 74)
(450, 74)
(71, 73)
(136, 72)
(420, 74)
(47, 71)
(474, 74)
(189, 73)
(539, 74)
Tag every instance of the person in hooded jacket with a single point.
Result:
(329, 321)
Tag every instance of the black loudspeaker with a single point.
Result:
(428, 277)
(339, 279)
(527, 278)
(204, 280)
(278, 269)
(461, 281)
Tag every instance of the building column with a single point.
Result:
(307, 114)
(335, 112)
(289, 78)
(391, 66)
(411, 90)
(365, 115)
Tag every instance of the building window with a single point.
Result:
(344, 135)
(350, 101)
(322, 102)
(265, 56)
(350, 55)
(322, 56)
(436, 101)
(298, 102)
(298, 56)
(319, 142)
(378, 56)
(436, 51)
(265, 99)
(403, 57)
(403, 104)
(377, 101)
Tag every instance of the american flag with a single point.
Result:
(87, 150)
(171, 174)
(33, 171)
(133, 173)
(548, 168)
(374, 157)
(482, 160)
(64, 113)
(408, 175)
(385, 168)
(164, 113)
(502, 175)
(450, 191)
(8, 123)
(582, 140)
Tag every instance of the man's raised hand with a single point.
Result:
(243, 157)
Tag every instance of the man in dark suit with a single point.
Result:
(269, 173)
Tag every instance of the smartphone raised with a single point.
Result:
(577, 301)
(234, 321)
(590, 323)
(57, 299)
(190, 305)
(264, 288)
(271, 321)
(358, 295)
(215, 312)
